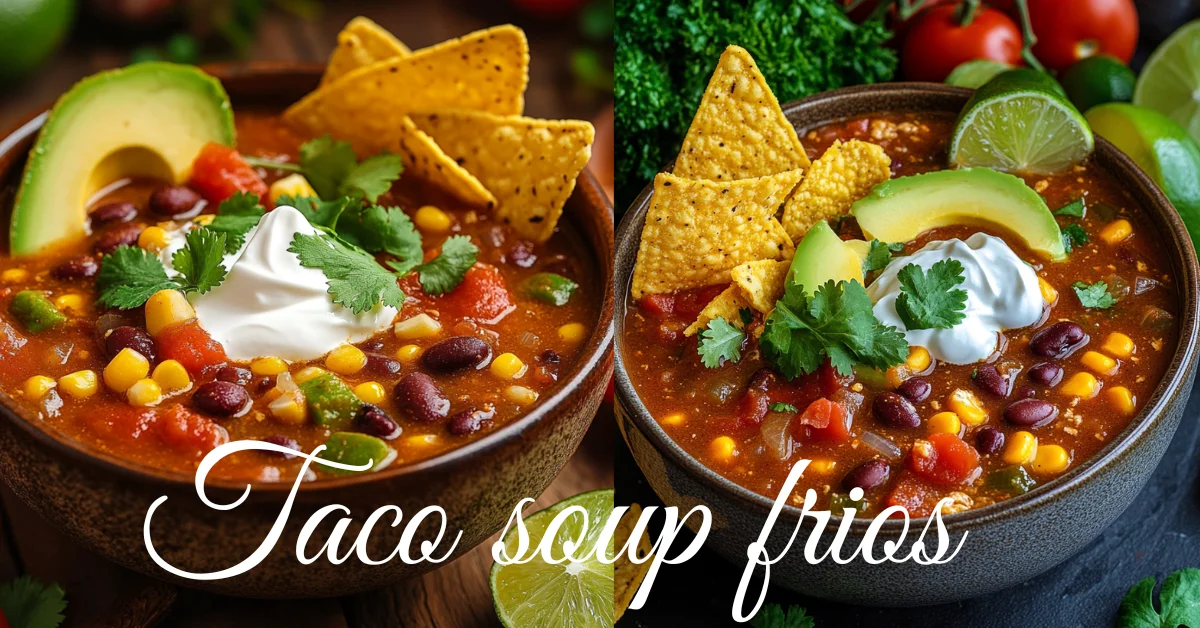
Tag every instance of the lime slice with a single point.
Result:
(1170, 80)
(1020, 121)
(975, 73)
(536, 593)
(1098, 79)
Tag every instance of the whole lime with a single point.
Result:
(1097, 80)
(29, 31)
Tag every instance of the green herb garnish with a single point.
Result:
(199, 262)
(773, 616)
(880, 255)
(356, 280)
(383, 230)
(444, 272)
(236, 216)
(1074, 209)
(1073, 236)
(780, 406)
(333, 169)
(720, 342)
(929, 300)
(1095, 296)
(746, 314)
(1180, 598)
(318, 212)
(129, 276)
(27, 603)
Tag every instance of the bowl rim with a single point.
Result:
(596, 349)
(1177, 374)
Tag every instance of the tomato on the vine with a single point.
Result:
(937, 42)
(1070, 31)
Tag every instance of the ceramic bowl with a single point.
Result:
(1007, 542)
(101, 501)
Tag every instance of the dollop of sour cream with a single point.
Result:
(1002, 293)
(270, 305)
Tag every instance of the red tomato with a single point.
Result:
(658, 305)
(945, 460)
(936, 43)
(191, 346)
(836, 422)
(482, 295)
(1070, 31)
(3, 620)
(689, 303)
(914, 495)
(122, 422)
(188, 432)
(219, 172)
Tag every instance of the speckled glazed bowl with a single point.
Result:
(101, 501)
(1008, 542)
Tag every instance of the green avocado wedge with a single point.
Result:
(822, 256)
(901, 209)
(144, 120)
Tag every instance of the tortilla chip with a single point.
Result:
(485, 71)
(628, 575)
(361, 42)
(761, 283)
(739, 131)
(424, 159)
(727, 305)
(696, 232)
(530, 165)
(844, 174)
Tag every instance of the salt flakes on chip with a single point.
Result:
(761, 283)
(361, 42)
(739, 131)
(628, 575)
(696, 232)
(727, 305)
(844, 174)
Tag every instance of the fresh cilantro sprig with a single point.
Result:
(929, 300)
(129, 276)
(236, 216)
(380, 229)
(333, 169)
(27, 603)
(1074, 209)
(1073, 236)
(356, 280)
(444, 272)
(880, 255)
(1180, 602)
(199, 262)
(773, 616)
(780, 406)
(720, 342)
(1095, 296)
(837, 322)
(318, 212)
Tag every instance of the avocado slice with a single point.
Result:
(354, 448)
(822, 256)
(899, 210)
(148, 119)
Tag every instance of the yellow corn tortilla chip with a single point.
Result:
(424, 159)
(361, 42)
(761, 283)
(530, 165)
(739, 131)
(726, 305)
(844, 174)
(628, 575)
(485, 71)
(697, 231)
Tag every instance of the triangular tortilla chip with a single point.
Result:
(761, 283)
(361, 42)
(844, 174)
(739, 131)
(697, 231)
(628, 575)
(423, 158)
(530, 165)
(727, 305)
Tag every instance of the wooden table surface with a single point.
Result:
(455, 595)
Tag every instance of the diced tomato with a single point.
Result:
(944, 459)
(482, 295)
(121, 422)
(824, 421)
(914, 495)
(191, 346)
(755, 401)
(831, 381)
(189, 433)
(689, 303)
(219, 172)
(658, 305)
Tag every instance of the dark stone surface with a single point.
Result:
(1158, 534)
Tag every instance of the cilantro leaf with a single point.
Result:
(929, 300)
(1095, 296)
(129, 276)
(316, 211)
(1073, 236)
(837, 322)
(746, 314)
(444, 272)
(236, 216)
(879, 255)
(383, 230)
(720, 342)
(199, 262)
(780, 406)
(356, 280)
(1074, 209)
(1180, 598)
(326, 164)
(373, 177)
(28, 603)
(773, 616)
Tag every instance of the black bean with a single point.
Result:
(1058, 340)
(373, 344)
(1046, 373)
(1030, 412)
(895, 410)
(989, 440)
(129, 337)
(282, 441)
(110, 213)
(175, 201)
(125, 234)
(915, 389)
(372, 420)
(222, 399)
(419, 397)
(234, 375)
(988, 379)
(469, 421)
(263, 384)
(456, 353)
(550, 356)
(81, 267)
(521, 254)
(382, 365)
(867, 475)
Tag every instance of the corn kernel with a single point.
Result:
(144, 392)
(125, 368)
(966, 405)
(675, 419)
(268, 366)
(153, 239)
(918, 359)
(172, 376)
(204, 220)
(1051, 459)
(69, 302)
(408, 353)
(520, 395)
(166, 308)
(307, 373)
(294, 185)
(1116, 231)
(1082, 385)
(419, 326)
(421, 440)
(432, 219)
(896, 375)
(1099, 363)
(572, 333)
(370, 392)
(80, 384)
(37, 386)
(1122, 399)
(944, 422)
(822, 466)
(508, 366)
(13, 275)
(1118, 345)
(1049, 294)
(1020, 448)
(723, 448)
(289, 408)
(346, 360)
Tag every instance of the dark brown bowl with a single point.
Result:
(1008, 542)
(101, 501)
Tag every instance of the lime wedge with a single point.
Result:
(1170, 80)
(975, 73)
(537, 594)
(1020, 121)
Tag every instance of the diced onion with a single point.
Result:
(881, 444)
(776, 434)
(1142, 285)
(529, 339)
